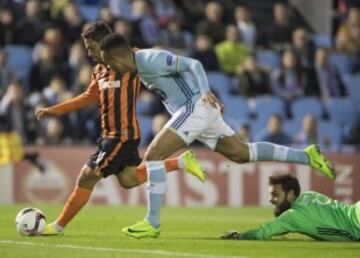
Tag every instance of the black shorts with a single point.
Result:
(113, 156)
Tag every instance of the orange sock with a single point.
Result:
(78, 198)
(170, 165)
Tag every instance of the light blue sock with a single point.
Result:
(266, 151)
(156, 189)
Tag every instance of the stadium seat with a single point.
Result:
(342, 110)
(89, 12)
(292, 127)
(308, 105)
(353, 87)
(19, 59)
(236, 107)
(342, 63)
(329, 134)
(267, 105)
(219, 82)
(145, 127)
(268, 58)
(256, 127)
(322, 40)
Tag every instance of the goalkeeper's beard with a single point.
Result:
(282, 207)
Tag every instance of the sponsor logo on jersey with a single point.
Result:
(109, 84)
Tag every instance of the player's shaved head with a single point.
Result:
(113, 41)
(117, 53)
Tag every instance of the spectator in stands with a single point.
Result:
(232, 51)
(165, 10)
(278, 34)
(88, 118)
(308, 134)
(13, 111)
(53, 133)
(327, 81)
(192, 12)
(106, 16)
(53, 38)
(72, 22)
(175, 39)
(83, 78)
(56, 9)
(274, 132)
(245, 133)
(30, 28)
(303, 48)
(348, 35)
(125, 28)
(145, 23)
(204, 52)
(121, 8)
(45, 69)
(6, 73)
(56, 91)
(212, 25)
(7, 26)
(246, 26)
(288, 80)
(253, 80)
(353, 137)
(77, 59)
(158, 123)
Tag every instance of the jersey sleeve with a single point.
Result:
(162, 62)
(91, 95)
(281, 225)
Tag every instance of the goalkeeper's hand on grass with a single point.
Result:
(231, 234)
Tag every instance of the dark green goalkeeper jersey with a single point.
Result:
(315, 215)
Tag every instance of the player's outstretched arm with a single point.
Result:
(43, 112)
(281, 225)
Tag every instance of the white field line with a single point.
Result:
(118, 250)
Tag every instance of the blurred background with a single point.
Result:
(288, 72)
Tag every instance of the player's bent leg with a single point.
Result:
(78, 198)
(88, 178)
(133, 176)
(164, 144)
(233, 148)
(128, 177)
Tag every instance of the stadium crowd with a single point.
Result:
(281, 76)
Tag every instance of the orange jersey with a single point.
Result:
(117, 94)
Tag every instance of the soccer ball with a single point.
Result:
(30, 222)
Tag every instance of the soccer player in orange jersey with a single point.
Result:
(117, 152)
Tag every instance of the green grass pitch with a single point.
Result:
(186, 232)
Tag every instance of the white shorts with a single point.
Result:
(199, 121)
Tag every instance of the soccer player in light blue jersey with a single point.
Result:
(196, 114)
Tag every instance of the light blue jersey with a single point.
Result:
(178, 80)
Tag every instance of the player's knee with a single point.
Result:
(153, 155)
(127, 181)
(239, 156)
(87, 178)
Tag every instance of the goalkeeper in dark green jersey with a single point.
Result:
(309, 213)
